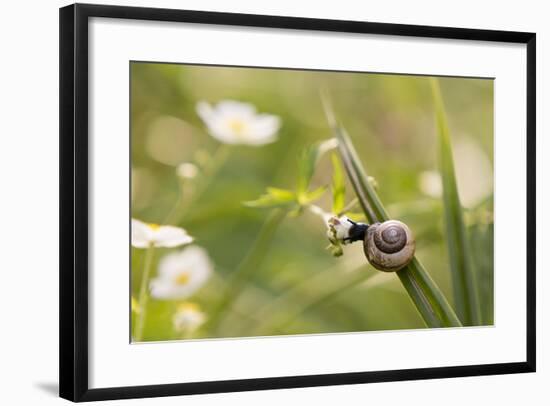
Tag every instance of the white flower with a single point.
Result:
(188, 317)
(181, 274)
(338, 229)
(187, 170)
(233, 122)
(145, 235)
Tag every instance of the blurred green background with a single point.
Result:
(390, 119)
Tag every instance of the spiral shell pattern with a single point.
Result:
(389, 246)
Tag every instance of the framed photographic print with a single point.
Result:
(258, 202)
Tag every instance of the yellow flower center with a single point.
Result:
(182, 278)
(154, 226)
(237, 126)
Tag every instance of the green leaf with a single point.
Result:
(313, 195)
(308, 161)
(282, 194)
(338, 186)
(273, 197)
(465, 289)
(424, 293)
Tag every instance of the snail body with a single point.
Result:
(389, 246)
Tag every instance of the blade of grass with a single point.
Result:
(427, 297)
(423, 291)
(466, 299)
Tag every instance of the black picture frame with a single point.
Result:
(73, 277)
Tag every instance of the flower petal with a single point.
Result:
(188, 318)
(235, 109)
(170, 236)
(233, 122)
(193, 261)
(141, 234)
(200, 265)
(220, 130)
(163, 289)
(205, 112)
(265, 126)
(170, 266)
(261, 130)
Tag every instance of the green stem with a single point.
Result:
(177, 205)
(250, 264)
(427, 297)
(143, 295)
(182, 205)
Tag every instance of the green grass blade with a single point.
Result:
(424, 293)
(427, 297)
(368, 199)
(465, 291)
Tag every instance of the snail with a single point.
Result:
(388, 246)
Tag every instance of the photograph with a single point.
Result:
(282, 202)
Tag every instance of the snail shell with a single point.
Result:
(389, 246)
